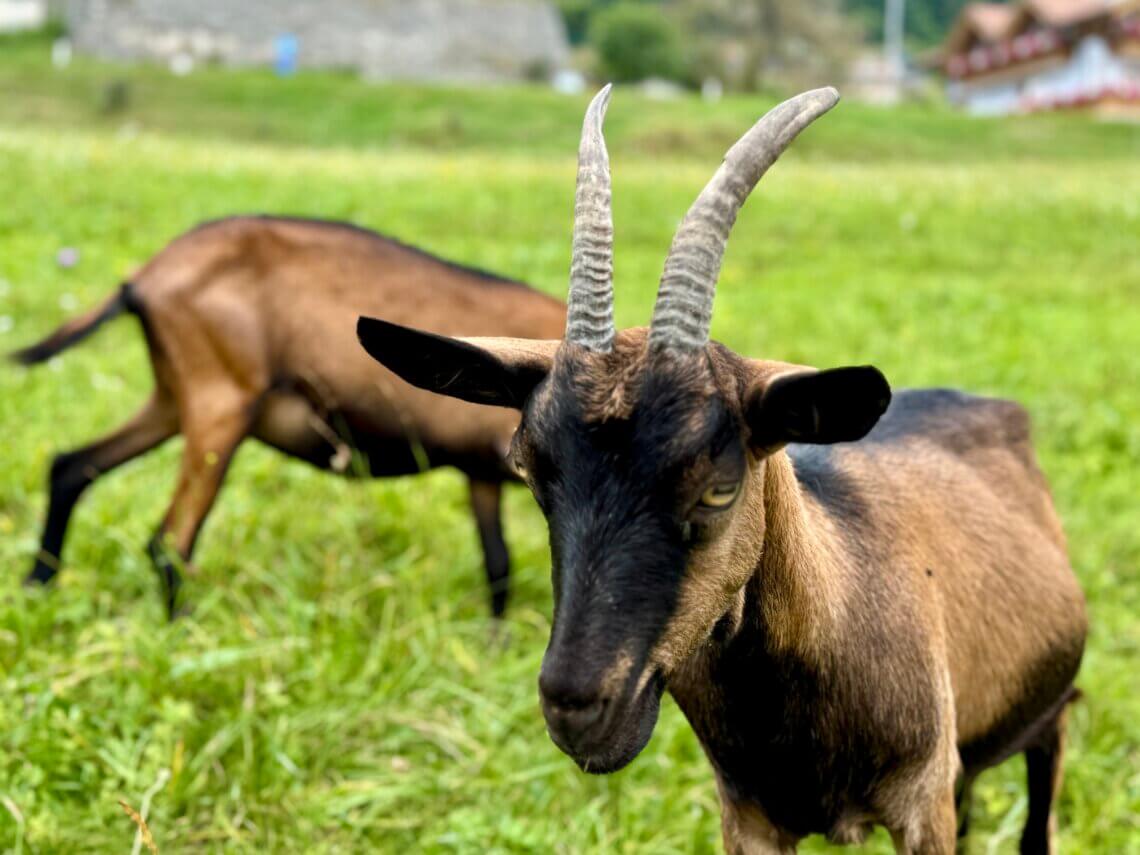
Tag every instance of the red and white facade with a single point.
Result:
(1037, 55)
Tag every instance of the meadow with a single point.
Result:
(338, 687)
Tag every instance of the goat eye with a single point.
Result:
(720, 495)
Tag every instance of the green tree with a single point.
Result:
(635, 41)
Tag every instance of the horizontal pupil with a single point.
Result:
(720, 495)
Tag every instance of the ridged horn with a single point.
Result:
(683, 311)
(590, 314)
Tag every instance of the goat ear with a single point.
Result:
(839, 405)
(501, 372)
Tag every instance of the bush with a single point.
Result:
(636, 41)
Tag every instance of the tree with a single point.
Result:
(635, 41)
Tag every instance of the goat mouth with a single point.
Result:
(622, 732)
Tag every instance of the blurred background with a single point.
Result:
(967, 217)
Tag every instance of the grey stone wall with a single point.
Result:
(455, 40)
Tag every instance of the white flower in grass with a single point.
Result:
(68, 256)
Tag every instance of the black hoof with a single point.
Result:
(40, 575)
(169, 579)
(171, 583)
(499, 600)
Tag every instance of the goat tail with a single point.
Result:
(76, 330)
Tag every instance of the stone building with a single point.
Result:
(441, 40)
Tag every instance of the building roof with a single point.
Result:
(983, 22)
(989, 24)
(1062, 13)
(991, 21)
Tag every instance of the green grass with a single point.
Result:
(337, 688)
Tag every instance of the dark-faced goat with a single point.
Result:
(854, 631)
(248, 323)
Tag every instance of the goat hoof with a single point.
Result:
(40, 575)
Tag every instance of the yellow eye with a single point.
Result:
(720, 495)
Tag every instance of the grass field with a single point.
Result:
(337, 688)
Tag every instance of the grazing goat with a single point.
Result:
(246, 321)
(854, 631)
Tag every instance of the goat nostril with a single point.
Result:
(577, 715)
(584, 717)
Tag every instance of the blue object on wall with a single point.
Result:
(286, 47)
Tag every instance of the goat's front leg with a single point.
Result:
(747, 831)
(486, 498)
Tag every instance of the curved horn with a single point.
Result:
(683, 311)
(590, 315)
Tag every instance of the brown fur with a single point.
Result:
(922, 591)
(250, 326)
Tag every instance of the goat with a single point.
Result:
(243, 319)
(853, 631)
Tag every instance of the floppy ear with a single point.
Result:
(501, 372)
(839, 405)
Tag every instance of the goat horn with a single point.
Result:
(590, 315)
(683, 311)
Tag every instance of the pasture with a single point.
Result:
(337, 687)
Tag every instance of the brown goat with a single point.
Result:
(854, 631)
(246, 321)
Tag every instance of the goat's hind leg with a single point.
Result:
(1043, 771)
(74, 471)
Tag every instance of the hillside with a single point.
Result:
(331, 109)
